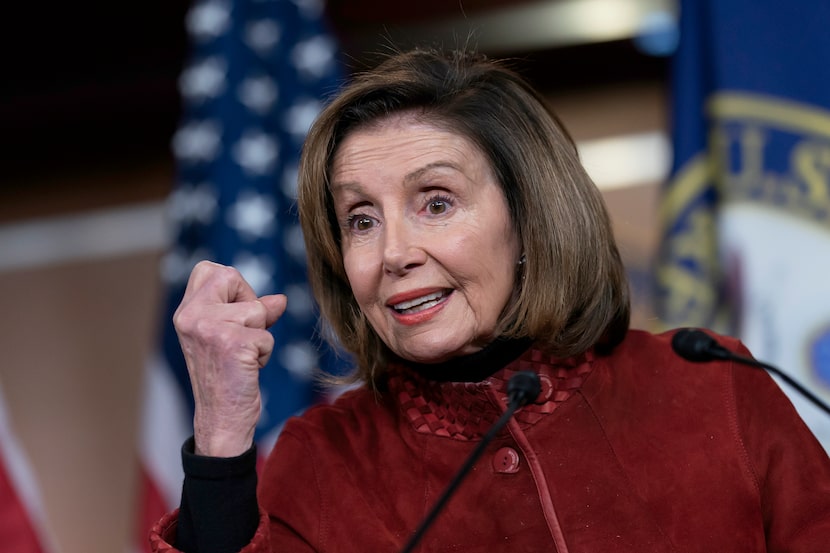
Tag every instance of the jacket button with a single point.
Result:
(506, 461)
(546, 390)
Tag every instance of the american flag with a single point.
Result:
(258, 74)
(22, 526)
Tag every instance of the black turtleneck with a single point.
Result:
(474, 367)
(219, 512)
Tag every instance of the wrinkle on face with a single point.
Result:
(420, 210)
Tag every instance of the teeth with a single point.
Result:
(424, 302)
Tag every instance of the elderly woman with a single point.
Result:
(454, 239)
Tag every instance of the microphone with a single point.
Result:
(522, 388)
(695, 345)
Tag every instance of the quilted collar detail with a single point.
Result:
(466, 410)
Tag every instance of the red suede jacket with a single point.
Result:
(635, 451)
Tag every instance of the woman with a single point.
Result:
(453, 239)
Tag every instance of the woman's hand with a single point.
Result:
(222, 327)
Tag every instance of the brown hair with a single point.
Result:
(573, 292)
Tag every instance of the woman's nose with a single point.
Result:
(402, 248)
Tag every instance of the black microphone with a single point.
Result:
(695, 345)
(522, 388)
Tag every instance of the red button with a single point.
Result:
(546, 390)
(506, 461)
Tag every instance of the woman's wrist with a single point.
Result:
(221, 444)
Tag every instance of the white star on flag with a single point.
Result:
(300, 116)
(262, 35)
(299, 358)
(300, 304)
(208, 20)
(204, 80)
(192, 204)
(197, 141)
(314, 56)
(256, 152)
(258, 94)
(257, 270)
(252, 215)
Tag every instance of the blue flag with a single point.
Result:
(258, 73)
(746, 214)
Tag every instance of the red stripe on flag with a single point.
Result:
(152, 508)
(17, 535)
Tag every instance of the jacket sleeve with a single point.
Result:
(790, 467)
(288, 501)
(163, 535)
(218, 511)
(293, 493)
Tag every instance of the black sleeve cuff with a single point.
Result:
(219, 511)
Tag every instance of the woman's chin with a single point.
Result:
(436, 352)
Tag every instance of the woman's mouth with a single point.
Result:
(416, 305)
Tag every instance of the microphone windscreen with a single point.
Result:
(523, 387)
(693, 344)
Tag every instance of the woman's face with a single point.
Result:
(428, 244)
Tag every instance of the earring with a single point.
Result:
(522, 260)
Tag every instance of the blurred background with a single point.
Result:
(90, 105)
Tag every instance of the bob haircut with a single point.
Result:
(572, 293)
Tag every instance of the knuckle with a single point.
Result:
(259, 312)
(205, 271)
(207, 330)
(226, 273)
(182, 320)
(202, 268)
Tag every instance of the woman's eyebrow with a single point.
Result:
(420, 172)
(345, 186)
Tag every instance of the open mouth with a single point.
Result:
(421, 304)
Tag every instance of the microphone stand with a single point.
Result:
(522, 388)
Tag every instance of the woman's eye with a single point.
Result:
(360, 222)
(437, 206)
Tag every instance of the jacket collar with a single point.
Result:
(465, 410)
